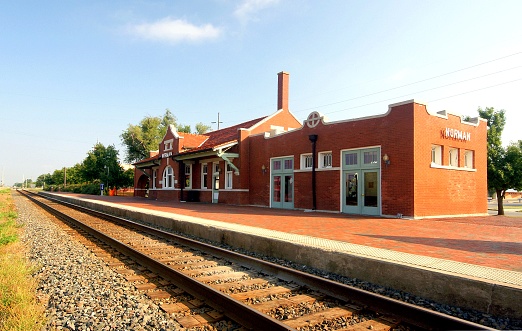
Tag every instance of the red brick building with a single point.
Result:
(407, 162)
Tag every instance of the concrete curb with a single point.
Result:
(492, 297)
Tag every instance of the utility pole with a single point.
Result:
(217, 122)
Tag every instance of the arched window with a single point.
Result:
(168, 177)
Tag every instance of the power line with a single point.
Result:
(480, 89)
(409, 84)
(373, 103)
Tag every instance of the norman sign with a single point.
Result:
(456, 134)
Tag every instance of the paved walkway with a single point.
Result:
(491, 241)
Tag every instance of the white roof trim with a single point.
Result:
(270, 117)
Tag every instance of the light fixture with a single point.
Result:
(386, 159)
(263, 169)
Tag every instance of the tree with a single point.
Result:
(140, 139)
(44, 180)
(58, 177)
(102, 164)
(504, 164)
(183, 128)
(202, 128)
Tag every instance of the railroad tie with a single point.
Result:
(376, 324)
(191, 321)
(318, 317)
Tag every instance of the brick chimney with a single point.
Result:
(282, 90)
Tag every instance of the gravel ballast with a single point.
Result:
(78, 290)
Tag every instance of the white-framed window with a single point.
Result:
(436, 154)
(228, 177)
(370, 157)
(204, 175)
(168, 177)
(154, 177)
(468, 159)
(188, 175)
(307, 161)
(168, 145)
(325, 160)
(454, 157)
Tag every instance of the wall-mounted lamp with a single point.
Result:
(263, 169)
(386, 159)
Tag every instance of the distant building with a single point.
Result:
(407, 162)
(511, 194)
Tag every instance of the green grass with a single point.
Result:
(19, 309)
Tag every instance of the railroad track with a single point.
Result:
(200, 284)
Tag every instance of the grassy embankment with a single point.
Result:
(19, 309)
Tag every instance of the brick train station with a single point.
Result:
(408, 162)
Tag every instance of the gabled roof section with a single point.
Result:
(223, 136)
(150, 161)
(191, 140)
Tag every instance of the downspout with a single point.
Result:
(313, 139)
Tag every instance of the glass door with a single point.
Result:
(351, 201)
(361, 181)
(282, 183)
(370, 192)
(288, 189)
(276, 192)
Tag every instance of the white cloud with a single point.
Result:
(248, 8)
(174, 30)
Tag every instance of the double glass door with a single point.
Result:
(282, 183)
(361, 182)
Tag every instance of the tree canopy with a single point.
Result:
(140, 139)
(504, 164)
(202, 128)
(101, 164)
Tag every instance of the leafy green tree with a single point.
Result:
(140, 139)
(504, 164)
(58, 177)
(102, 164)
(126, 179)
(43, 180)
(74, 174)
(202, 128)
(183, 128)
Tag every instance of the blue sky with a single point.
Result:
(76, 72)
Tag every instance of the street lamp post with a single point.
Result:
(107, 167)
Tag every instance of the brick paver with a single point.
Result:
(492, 241)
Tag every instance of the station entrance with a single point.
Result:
(282, 183)
(361, 181)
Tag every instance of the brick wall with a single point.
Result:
(409, 185)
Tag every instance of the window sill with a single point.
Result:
(439, 166)
(318, 169)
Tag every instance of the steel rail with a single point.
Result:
(237, 311)
(409, 313)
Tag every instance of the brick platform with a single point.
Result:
(491, 241)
